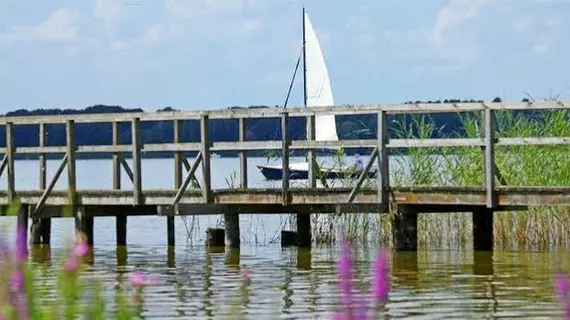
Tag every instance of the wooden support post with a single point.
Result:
(232, 235)
(288, 238)
(383, 174)
(137, 169)
(84, 224)
(121, 229)
(71, 173)
(177, 155)
(206, 177)
(23, 221)
(312, 174)
(498, 173)
(170, 225)
(41, 227)
(483, 229)
(304, 237)
(243, 154)
(285, 157)
(405, 229)
(10, 162)
(490, 158)
(45, 231)
(116, 159)
(170, 231)
(215, 237)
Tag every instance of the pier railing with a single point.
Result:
(285, 196)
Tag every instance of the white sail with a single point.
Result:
(319, 92)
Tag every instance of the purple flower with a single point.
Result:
(345, 277)
(561, 286)
(17, 281)
(380, 286)
(80, 249)
(345, 272)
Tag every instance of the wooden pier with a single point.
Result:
(185, 198)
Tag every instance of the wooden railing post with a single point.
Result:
(42, 143)
(177, 155)
(285, 157)
(242, 153)
(205, 137)
(10, 162)
(490, 157)
(71, 172)
(137, 170)
(116, 160)
(383, 174)
(312, 174)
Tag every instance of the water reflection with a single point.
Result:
(121, 253)
(40, 254)
(171, 257)
(301, 283)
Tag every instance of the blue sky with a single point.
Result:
(207, 54)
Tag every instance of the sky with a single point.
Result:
(212, 54)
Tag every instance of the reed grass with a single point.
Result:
(537, 228)
(540, 227)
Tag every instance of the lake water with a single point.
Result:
(286, 283)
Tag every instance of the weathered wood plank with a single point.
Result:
(293, 111)
(383, 175)
(490, 158)
(137, 164)
(285, 157)
(205, 151)
(10, 179)
(300, 145)
(242, 133)
(362, 176)
(43, 169)
(3, 164)
(436, 196)
(44, 196)
(71, 164)
(311, 134)
(183, 185)
(116, 160)
(177, 155)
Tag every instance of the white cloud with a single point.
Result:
(452, 14)
(539, 48)
(61, 26)
(108, 11)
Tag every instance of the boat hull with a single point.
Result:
(276, 173)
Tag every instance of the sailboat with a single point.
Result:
(317, 93)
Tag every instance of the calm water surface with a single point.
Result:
(196, 283)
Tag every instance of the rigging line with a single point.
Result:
(292, 80)
(290, 87)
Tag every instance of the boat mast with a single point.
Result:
(304, 63)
